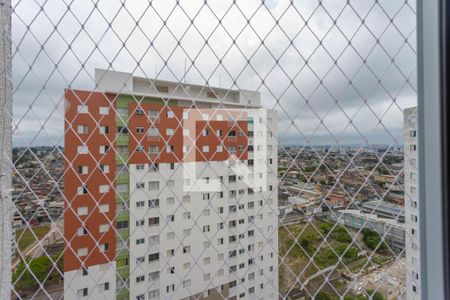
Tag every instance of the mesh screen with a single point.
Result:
(210, 150)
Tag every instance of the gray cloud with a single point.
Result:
(319, 76)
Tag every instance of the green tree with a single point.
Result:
(341, 235)
(308, 169)
(26, 279)
(322, 295)
(375, 295)
(373, 240)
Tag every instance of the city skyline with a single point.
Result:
(273, 66)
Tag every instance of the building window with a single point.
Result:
(153, 114)
(153, 221)
(82, 129)
(82, 109)
(170, 149)
(152, 203)
(82, 252)
(153, 167)
(104, 169)
(153, 294)
(153, 240)
(82, 190)
(153, 185)
(82, 150)
(103, 149)
(104, 129)
(104, 188)
(104, 247)
(83, 170)
(103, 228)
(153, 132)
(82, 272)
(187, 283)
(104, 208)
(170, 288)
(169, 131)
(140, 130)
(104, 286)
(103, 110)
(82, 293)
(122, 224)
(82, 231)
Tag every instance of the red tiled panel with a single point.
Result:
(93, 179)
(177, 139)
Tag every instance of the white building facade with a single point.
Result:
(412, 204)
(196, 200)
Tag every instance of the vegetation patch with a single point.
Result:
(25, 237)
(40, 270)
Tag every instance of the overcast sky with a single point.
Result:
(306, 68)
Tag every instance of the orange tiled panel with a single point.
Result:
(93, 179)
(195, 124)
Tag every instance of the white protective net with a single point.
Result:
(209, 150)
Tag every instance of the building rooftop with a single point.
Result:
(126, 83)
(384, 208)
(372, 217)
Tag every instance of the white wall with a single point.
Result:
(265, 240)
(74, 281)
(411, 196)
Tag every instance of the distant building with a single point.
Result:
(385, 209)
(384, 178)
(284, 210)
(412, 205)
(393, 231)
(388, 280)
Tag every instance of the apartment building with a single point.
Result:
(171, 192)
(412, 204)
